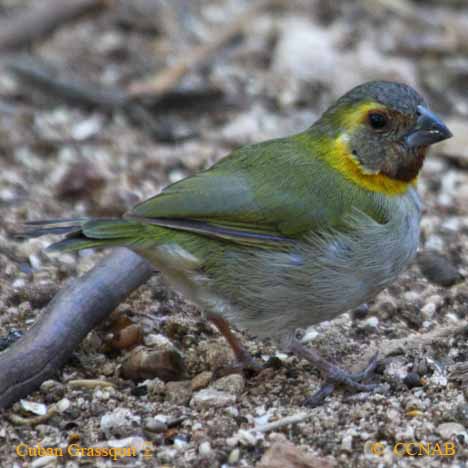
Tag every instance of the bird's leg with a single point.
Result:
(244, 358)
(333, 375)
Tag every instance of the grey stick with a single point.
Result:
(73, 312)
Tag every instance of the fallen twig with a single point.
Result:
(39, 76)
(89, 383)
(34, 420)
(42, 19)
(170, 77)
(388, 347)
(73, 312)
(73, 91)
(141, 113)
(273, 426)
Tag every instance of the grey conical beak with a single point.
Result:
(429, 129)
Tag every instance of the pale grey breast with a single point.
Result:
(271, 293)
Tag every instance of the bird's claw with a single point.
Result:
(336, 376)
(245, 364)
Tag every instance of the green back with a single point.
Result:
(263, 193)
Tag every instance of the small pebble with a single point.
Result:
(158, 341)
(405, 433)
(127, 337)
(33, 407)
(249, 438)
(211, 398)
(450, 429)
(179, 393)
(371, 322)
(119, 423)
(201, 380)
(428, 310)
(204, 449)
(462, 413)
(155, 386)
(48, 460)
(63, 405)
(347, 443)
(143, 363)
(154, 425)
(233, 383)
(232, 411)
(180, 443)
(437, 269)
(234, 456)
(412, 380)
(361, 312)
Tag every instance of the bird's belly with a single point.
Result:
(271, 293)
(275, 292)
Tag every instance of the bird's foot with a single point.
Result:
(246, 364)
(352, 381)
(334, 376)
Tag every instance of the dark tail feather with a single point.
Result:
(50, 226)
(83, 233)
(46, 222)
(38, 232)
(81, 242)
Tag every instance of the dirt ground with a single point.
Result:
(64, 159)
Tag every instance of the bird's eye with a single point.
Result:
(377, 120)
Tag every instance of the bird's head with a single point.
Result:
(383, 129)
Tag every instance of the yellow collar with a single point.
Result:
(341, 159)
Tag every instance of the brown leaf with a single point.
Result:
(81, 180)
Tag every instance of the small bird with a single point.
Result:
(289, 232)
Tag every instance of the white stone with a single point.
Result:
(233, 383)
(249, 438)
(33, 407)
(204, 449)
(234, 456)
(371, 322)
(406, 433)
(212, 398)
(121, 421)
(44, 461)
(180, 443)
(347, 442)
(428, 310)
(450, 429)
(158, 341)
(63, 405)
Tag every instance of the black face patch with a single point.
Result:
(407, 168)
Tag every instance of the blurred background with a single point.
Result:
(104, 102)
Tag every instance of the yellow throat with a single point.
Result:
(341, 159)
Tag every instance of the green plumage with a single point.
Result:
(273, 236)
(266, 195)
(279, 188)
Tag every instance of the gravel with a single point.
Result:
(276, 78)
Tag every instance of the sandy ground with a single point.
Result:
(59, 160)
